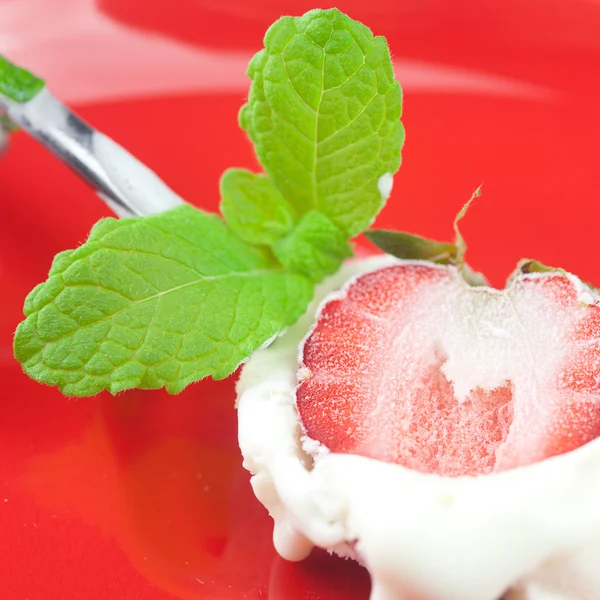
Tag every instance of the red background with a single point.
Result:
(143, 495)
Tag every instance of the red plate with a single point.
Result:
(143, 495)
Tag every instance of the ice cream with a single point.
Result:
(533, 532)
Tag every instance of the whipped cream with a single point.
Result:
(532, 533)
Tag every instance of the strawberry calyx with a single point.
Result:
(409, 246)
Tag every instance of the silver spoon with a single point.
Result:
(121, 180)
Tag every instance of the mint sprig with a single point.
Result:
(166, 300)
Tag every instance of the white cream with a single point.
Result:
(385, 184)
(533, 532)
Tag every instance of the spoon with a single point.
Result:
(128, 187)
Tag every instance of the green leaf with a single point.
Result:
(17, 83)
(315, 248)
(409, 246)
(254, 208)
(323, 113)
(156, 301)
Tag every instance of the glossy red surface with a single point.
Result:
(143, 495)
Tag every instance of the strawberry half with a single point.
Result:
(409, 364)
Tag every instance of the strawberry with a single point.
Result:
(409, 364)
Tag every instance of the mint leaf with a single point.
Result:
(156, 301)
(315, 248)
(409, 246)
(254, 208)
(323, 114)
(17, 83)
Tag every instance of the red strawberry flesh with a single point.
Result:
(409, 365)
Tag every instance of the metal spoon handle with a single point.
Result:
(123, 182)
